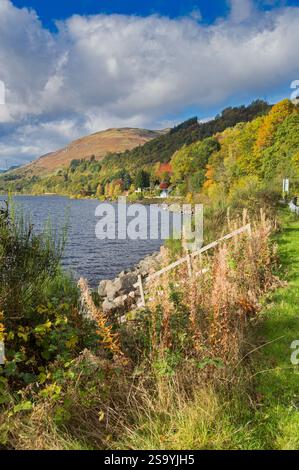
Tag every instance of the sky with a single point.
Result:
(69, 68)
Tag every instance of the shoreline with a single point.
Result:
(146, 201)
(119, 294)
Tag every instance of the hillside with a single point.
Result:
(98, 145)
(79, 174)
(163, 147)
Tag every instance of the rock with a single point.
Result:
(113, 288)
(119, 294)
(108, 306)
(102, 288)
(148, 264)
(123, 284)
(118, 304)
(127, 282)
(120, 301)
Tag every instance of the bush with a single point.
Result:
(39, 303)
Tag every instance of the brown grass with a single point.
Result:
(98, 144)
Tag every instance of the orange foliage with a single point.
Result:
(108, 339)
(209, 176)
(164, 168)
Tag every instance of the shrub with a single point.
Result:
(38, 302)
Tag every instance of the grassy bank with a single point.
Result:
(261, 410)
(191, 371)
(276, 380)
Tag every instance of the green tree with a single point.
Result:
(142, 179)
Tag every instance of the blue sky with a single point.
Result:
(135, 63)
(49, 11)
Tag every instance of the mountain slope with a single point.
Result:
(92, 176)
(163, 147)
(98, 145)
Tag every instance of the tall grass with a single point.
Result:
(169, 377)
(196, 338)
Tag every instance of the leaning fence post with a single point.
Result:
(189, 264)
(140, 285)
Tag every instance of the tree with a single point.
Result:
(192, 158)
(278, 160)
(142, 179)
(201, 151)
(181, 163)
(196, 181)
(276, 116)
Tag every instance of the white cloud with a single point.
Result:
(241, 10)
(112, 70)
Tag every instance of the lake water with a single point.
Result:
(85, 255)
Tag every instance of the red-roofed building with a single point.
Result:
(164, 185)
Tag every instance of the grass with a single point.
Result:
(276, 380)
(243, 401)
(262, 409)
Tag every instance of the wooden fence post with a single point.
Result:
(188, 259)
(189, 264)
(141, 290)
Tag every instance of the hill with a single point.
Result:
(163, 147)
(97, 145)
(85, 170)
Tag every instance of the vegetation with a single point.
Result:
(254, 406)
(180, 364)
(258, 153)
(38, 302)
(94, 178)
(275, 377)
(207, 364)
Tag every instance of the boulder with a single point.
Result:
(119, 286)
(149, 264)
(127, 282)
(116, 305)
(108, 306)
(119, 294)
(113, 288)
(102, 288)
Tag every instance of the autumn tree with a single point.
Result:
(276, 116)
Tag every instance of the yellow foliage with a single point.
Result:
(295, 161)
(247, 184)
(276, 116)
(1, 327)
(190, 198)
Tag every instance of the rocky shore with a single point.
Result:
(119, 294)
